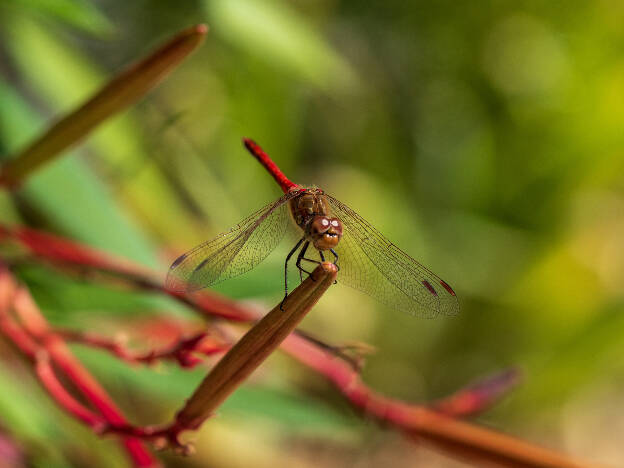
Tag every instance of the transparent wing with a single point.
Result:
(374, 265)
(231, 253)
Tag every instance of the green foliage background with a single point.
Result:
(484, 138)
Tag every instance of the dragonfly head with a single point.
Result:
(324, 232)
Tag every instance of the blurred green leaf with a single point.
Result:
(66, 78)
(585, 358)
(79, 14)
(113, 97)
(73, 198)
(21, 409)
(67, 301)
(280, 35)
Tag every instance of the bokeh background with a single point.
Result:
(484, 138)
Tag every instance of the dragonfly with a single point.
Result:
(366, 260)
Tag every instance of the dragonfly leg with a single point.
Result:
(301, 257)
(335, 262)
(290, 254)
(321, 255)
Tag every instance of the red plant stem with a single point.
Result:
(38, 338)
(478, 396)
(213, 304)
(65, 253)
(48, 378)
(55, 248)
(181, 351)
(422, 423)
(34, 323)
(242, 359)
(264, 159)
(416, 421)
(31, 349)
(468, 401)
(35, 352)
(22, 341)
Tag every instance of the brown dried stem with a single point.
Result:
(254, 347)
(118, 94)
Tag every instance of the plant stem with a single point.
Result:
(254, 347)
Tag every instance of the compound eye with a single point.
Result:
(335, 223)
(319, 225)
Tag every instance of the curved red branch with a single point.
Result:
(33, 337)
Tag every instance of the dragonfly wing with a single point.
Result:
(374, 265)
(231, 253)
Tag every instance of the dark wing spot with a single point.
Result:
(429, 287)
(178, 260)
(447, 287)
(201, 265)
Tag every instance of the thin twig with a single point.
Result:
(182, 351)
